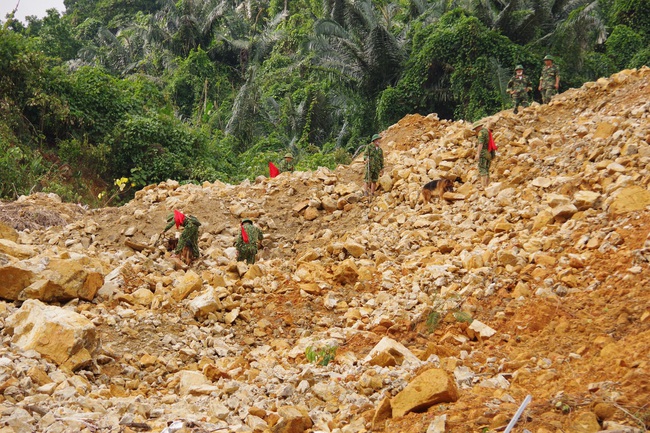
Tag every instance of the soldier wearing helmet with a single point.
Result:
(374, 165)
(248, 242)
(519, 86)
(549, 81)
(286, 165)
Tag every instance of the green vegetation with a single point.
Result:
(203, 90)
(433, 320)
(463, 316)
(321, 356)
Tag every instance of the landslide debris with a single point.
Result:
(444, 316)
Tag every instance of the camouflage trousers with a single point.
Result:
(372, 174)
(247, 254)
(520, 101)
(547, 94)
(189, 239)
(484, 162)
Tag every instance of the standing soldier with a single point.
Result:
(248, 241)
(484, 154)
(374, 162)
(188, 243)
(287, 163)
(549, 81)
(519, 86)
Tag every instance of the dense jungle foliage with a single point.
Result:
(114, 95)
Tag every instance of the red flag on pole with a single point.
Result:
(273, 170)
(244, 235)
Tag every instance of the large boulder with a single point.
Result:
(186, 284)
(583, 200)
(67, 338)
(346, 272)
(629, 199)
(430, 387)
(51, 279)
(8, 232)
(292, 420)
(18, 251)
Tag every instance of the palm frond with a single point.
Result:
(500, 77)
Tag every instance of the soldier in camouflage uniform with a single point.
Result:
(549, 81)
(483, 155)
(286, 164)
(248, 241)
(519, 86)
(188, 243)
(374, 162)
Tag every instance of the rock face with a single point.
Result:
(66, 338)
(431, 387)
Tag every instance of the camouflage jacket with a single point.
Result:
(549, 75)
(374, 157)
(520, 85)
(190, 222)
(255, 237)
(285, 166)
(483, 139)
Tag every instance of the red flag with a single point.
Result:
(244, 235)
(179, 218)
(492, 146)
(273, 170)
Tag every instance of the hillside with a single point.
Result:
(550, 262)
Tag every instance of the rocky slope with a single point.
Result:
(444, 316)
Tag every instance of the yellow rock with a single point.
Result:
(427, 389)
(604, 130)
(630, 199)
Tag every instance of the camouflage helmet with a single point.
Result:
(478, 124)
(548, 57)
(518, 67)
(246, 221)
(288, 155)
(375, 137)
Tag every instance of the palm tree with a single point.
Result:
(577, 28)
(252, 45)
(191, 23)
(356, 44)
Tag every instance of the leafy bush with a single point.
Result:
(451, 71)
(97, 102)
(632, 13)
(622, 45)
(161, 147)
(641, 58)
(191, 81)
(91, 158)
(320, 159)
(15, 176)
(597, 65)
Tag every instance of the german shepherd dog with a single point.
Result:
(439, 187)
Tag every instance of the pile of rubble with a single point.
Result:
(381, 314)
